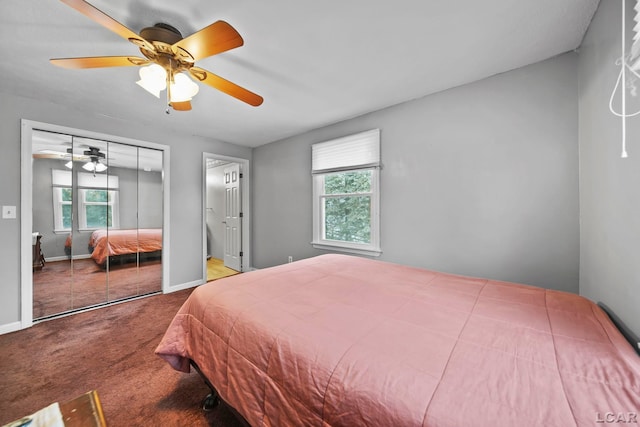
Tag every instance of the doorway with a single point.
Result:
(225, 216)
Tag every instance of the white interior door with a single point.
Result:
(232, 218)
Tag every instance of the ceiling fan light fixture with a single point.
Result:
(183, 88)
(153, 79)
(94, 166)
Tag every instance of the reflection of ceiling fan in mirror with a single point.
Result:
(92, 157)
(94, 164)
(169, 59)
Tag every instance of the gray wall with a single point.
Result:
(186, 185)
(479, 180)
(609, 197)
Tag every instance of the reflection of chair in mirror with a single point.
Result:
(38, 256)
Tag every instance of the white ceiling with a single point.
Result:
(315, 63)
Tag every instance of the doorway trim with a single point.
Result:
(26, 205)
(246, 209)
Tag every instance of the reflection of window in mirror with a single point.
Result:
(62, 200)
(97, 209)
(62, 204)
(97, 201)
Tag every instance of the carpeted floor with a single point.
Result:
(60, 286)
(111, 350)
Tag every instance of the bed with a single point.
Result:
(104, 243)
(338, 340)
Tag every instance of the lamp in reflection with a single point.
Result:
(94, 165)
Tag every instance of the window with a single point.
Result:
(97, 209)
(98, 201)
(346, 194)
(62, 203)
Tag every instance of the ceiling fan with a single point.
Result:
(168, 57)
(92, 157)
(94, 164)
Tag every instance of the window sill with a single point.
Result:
(352, 249)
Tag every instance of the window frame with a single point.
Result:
(360, 151)
(83, 204)
(58, 203)
(319, 242)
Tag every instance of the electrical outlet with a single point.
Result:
(290, 258)
(8, 212)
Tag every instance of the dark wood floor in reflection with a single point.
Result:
(63, 286)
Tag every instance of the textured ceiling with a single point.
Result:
(315, 63)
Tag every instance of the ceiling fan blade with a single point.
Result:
(106, 21)
(226, 86)
(99, 61)
(50, 155)
(181, 106)
(216, 38)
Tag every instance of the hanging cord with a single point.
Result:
(623, 72)
(622, 77)
(615, 89)
(169, 78)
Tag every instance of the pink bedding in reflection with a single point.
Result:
(106, 243)
(338, 340)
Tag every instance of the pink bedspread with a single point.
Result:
(345, 341)
(106, 243)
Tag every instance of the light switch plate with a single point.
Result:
(8, 212)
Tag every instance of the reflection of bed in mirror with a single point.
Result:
(122, 245)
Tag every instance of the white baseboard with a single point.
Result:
(10, 327)
(182, 286)
(66, 258)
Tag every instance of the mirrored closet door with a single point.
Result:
(97, 222)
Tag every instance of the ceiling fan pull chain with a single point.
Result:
(168, 110)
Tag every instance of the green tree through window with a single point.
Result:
(67, 199)
(347, 206)
(98, 208)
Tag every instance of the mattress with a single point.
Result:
(112, 242)
(338, 340)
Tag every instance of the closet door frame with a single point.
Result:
(26, 205)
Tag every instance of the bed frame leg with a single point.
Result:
(213, 399)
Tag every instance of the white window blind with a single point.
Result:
(350, 152)
(98, 181)
(62, 178)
